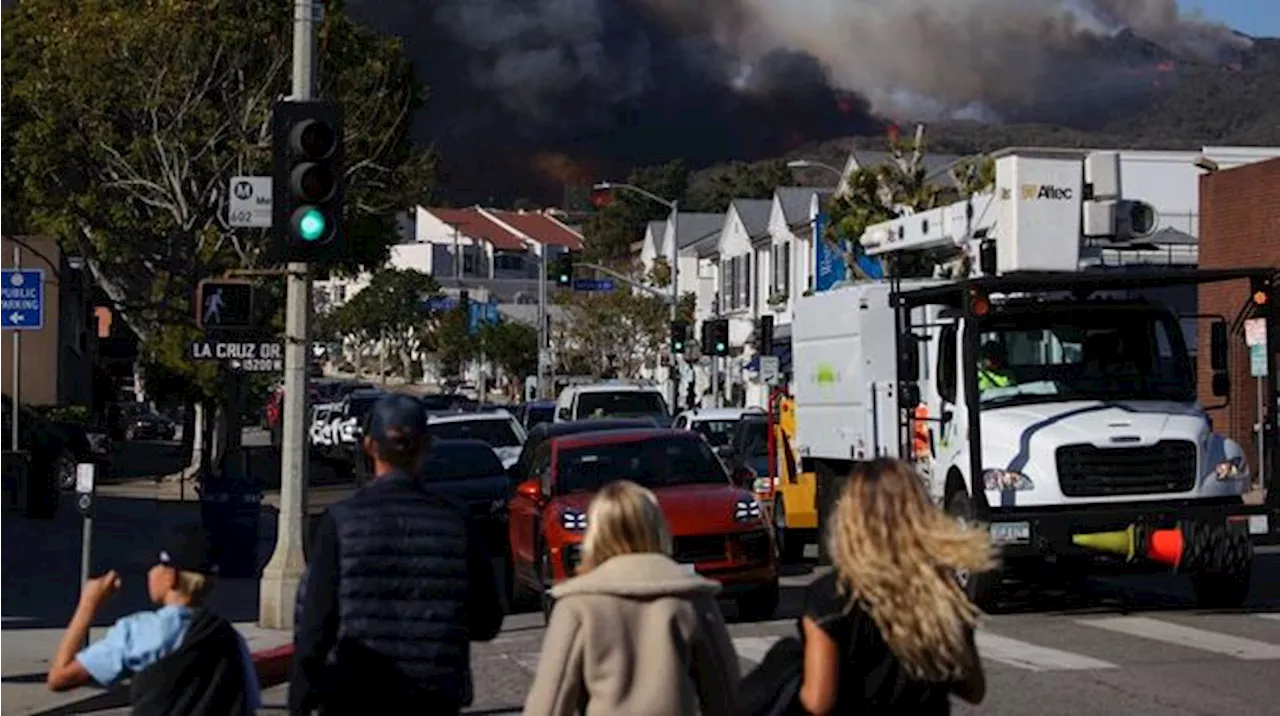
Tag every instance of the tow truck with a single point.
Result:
(1035, 391)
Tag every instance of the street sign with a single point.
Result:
(22, 299)
(248, 356)
(1258, 361)
(249, 202)
(592, 284)
(769, 368)
(1255, 332)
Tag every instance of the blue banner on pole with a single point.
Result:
(829, 269)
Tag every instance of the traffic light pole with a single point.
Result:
(674, 370)
(280, 579)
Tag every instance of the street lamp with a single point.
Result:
(811, 164)
(674, 207)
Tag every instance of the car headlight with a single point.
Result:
(573, 520)
(1002, 480)
(1233, 469)
(746, 511)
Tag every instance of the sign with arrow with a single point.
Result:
(22, 299)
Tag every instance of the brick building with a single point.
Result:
(1239, 227)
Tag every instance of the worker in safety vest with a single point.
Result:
(991, 367)
(920, 433)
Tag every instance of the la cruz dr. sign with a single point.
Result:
(22, 299)
(248, 356)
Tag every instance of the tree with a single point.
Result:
(392, 313)
(741, 180)
(611, 231)
(132, 115)
(612, 333)
(511, 346)
(127, 119)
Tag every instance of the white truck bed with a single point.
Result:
(844, 355)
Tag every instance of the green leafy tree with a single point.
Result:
(127, 118)
(611, 231)
(614, 333)
(512, 347)
(452, 343)
(392, 309)
(741, 180)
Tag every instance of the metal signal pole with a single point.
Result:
(282, 575)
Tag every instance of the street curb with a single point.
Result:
(271, 666)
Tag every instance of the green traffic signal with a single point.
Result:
(312, 224)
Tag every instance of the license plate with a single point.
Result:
(1010, 532)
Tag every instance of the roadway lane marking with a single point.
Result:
(1021, 655)
(1184, 636)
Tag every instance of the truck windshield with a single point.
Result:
(1086, 354)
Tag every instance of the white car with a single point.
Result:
(714, 424)
(612, 399)
(499, 428)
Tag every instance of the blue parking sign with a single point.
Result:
(22, 299)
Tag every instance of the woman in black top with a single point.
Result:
(891, 631)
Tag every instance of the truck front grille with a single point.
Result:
(699, 548)
(1089, 471)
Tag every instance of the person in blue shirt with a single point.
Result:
(180, 658)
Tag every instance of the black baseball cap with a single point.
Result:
(188, 548)
(396, 421)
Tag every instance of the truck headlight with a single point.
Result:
(1233, 469)
(746, 511)
(573, 520)
(1001, 480)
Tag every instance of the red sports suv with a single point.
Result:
(716, 527)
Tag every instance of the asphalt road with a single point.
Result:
(1131, 645)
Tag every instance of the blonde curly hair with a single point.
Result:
(896, 555)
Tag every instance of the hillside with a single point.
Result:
(1186, 106)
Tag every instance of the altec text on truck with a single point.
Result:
(1044, 397)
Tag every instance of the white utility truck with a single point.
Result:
(1035, 393)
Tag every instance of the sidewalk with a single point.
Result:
(26, 654)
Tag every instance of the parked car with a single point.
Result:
(55, 448)
(146, 424)
(499, 429)
(717, 527)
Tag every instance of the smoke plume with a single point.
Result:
(621, 82)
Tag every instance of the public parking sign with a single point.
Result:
(22, 299)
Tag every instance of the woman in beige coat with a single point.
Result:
(636, 633)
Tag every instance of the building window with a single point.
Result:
(781, 268)
(508, 262)
(736, 283)
(470, 261)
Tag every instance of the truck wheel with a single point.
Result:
(980, 588)
(790, 543)
(759, 604)
(1221, 591)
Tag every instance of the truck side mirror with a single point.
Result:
(1221, 384)
(1218, 349)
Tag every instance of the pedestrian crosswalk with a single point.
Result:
(1002, 651)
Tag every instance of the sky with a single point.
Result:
(1260, 18)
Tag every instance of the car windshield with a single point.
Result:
(662, 462)
(620, 404)
(755, 439)
(1085, 355)
(498, 433)
(449, 462)
(539, 415)
(717, 432)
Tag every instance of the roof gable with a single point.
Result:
(541, 228)
(473, 224)
(754, 214)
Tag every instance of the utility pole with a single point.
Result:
(280, 579)
(674, 372)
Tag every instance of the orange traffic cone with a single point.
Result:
(1165, 547)
(1120, 542)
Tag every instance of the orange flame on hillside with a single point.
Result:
(562, 168)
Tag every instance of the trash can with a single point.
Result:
(231, 511)
(30, 486)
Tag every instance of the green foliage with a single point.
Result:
(511, 346)
(611, 333)
(973, 175)
(611, 231)
(452, 342)
(393, 304)
(65, 414)
(741, 180)
(125, 120)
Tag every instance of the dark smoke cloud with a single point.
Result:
(615, 83)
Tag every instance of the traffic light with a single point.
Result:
(307, 189)
(224, 304)
(1259, 292)
(715, 337)
(764, 336)
(679, 336)
(562, 269)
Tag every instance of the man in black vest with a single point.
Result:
(397, 587)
